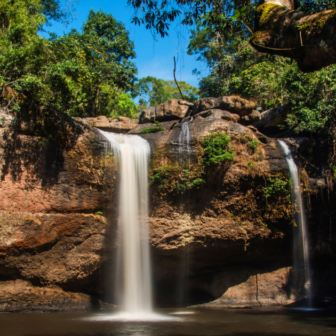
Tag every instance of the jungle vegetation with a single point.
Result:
(92, 72)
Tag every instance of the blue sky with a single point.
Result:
(153, 58)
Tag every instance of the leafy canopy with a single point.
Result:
(82, 74)
(157, 15)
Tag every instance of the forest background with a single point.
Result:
(92, 72)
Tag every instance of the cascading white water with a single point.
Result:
(301, 244)
(132, 153)
(184, 142)
(184, 162)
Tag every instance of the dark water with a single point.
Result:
(237, 322)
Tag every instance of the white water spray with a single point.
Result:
(184, 140)
(302, 243)
(132, 153)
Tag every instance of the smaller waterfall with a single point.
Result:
(184, 142)
(300, 244)
(184, 163)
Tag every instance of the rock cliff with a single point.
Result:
(221, 234)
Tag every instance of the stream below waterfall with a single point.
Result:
(184, 322)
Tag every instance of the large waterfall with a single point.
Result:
(132, 153)
(301, 255)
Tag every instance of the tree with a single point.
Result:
(82, 74)
(279, 29)
(153, 91)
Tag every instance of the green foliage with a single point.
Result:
(277, 187)
(158, 14)
(176, 179)
(254, 144)
(152, 129)
(82, 74)
(313, 99)
(217, 148)
(250, 164)
(236, 68)
(153, 91)
(99, 213)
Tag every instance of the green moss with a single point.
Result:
(317, 23)
(152, 129)
(265, 10)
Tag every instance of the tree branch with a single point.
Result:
(176, 80)
(308, 39)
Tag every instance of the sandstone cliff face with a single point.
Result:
(39, 173)
(55, 174)
(221, 240)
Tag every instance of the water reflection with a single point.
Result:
(219, 322)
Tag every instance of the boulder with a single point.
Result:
(120, 125)
(174, 109)
(259, 290)
(272, 117)
(252, 118)
(233, 104)
(217, 113)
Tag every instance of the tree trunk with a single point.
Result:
(94, 103)
(308, 39)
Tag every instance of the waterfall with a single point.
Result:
(132, 153)
(184, 163)
(184, 141)
(300, 243)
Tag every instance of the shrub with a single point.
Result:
(152, 129)
(217, 148)
(171, 178)
(277, 187)
(254, 144)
